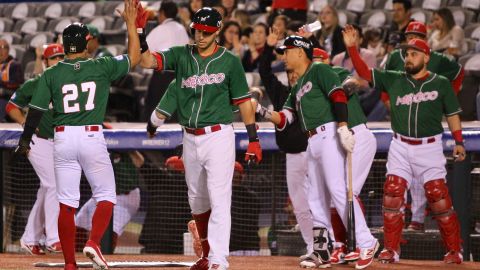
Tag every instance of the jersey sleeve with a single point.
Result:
(237, 83)
(116, 67)
(168, 104)
(42, 95)
(327, 79)
(451, 106)
(23, 95)
(290, 102)
(449, 68)
(170, 57)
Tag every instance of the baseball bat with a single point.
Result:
(351, 211)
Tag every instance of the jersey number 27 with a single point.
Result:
(70, 97)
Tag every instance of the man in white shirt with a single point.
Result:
(169, 32)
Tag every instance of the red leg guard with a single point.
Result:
(100, 220)
(339, 230)
(201, 221)
(66, 232)
(441, 206)
(393, 200)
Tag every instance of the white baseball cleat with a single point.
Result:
(217, 267)
(314, 261)
(366, 256)
(31, 249)
(92, 251)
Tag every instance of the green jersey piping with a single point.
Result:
(418, 104)
(194, 101)
(163, 112)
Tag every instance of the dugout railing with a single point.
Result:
(262, 217)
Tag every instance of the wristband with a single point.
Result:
(252, 132)
(457, 136)
(143, 41)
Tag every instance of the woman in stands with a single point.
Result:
(330, 36)
(256, 43)
(447, 37)
(230, 38)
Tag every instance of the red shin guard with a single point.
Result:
(393, 200)
(440, 204)
(201, 221)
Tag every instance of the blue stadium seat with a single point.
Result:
(6, 25)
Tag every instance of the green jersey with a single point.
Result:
(356, 116)
(417, 106)
(439, 64)
(309, 97)
(205, 87)
(22, 97)
(79, 89)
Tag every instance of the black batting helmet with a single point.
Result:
(206, 19)
(75, 38)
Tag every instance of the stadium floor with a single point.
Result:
(19, 261)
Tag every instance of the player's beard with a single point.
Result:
(412, 69)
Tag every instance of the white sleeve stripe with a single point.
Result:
(242, 97)
(163, 112)
(458, 73)
(164, 60)
(36, 107)
(457, 112)
(129, 64)
(334, 89)
(287, 107)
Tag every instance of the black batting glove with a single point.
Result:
(151, 129)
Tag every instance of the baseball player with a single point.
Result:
(362, 158)
(321, 105)
(78, 90)
(419, 100)
(44, 214)
(441, 65)
(125, 166)
(208, 80)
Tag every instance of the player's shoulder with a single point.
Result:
(226, 54)
(319, 66)
(440, 78)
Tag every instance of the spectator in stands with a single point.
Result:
(168, 34)
(280, 24)
(401, 17)
(244, 239)
(256, 44)
(374, 43)
(447, 37)
(230, 6)
(367, 95)
(222, 10)
(11, 76)
(230, 38)
(126, 166)
(242, 18)
(293, 9)
(186, 11)
(330, 36)
(93, 45)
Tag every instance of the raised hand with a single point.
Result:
(272, 37)
(129, 13)
(350, 36)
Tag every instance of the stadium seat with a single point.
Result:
(17, 52)
(471, 43)
(375, 18)
(472, 64)
(345, 16)
(421, 15)
(51, 11)
(359, 6)
(339, 4)
(18, 11)
(317, 5)
(118, 7)
(454, 3)
(109, 8)
(471, 4)
(5, 25)
(473, 31)
(57, 25)
(433, 4)
(28, 72)
(11, 38)
(462, 16)
(29, 25)
(88, 9)
(37, 39)
(253, 79)
(102, 22)
(155, 5)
